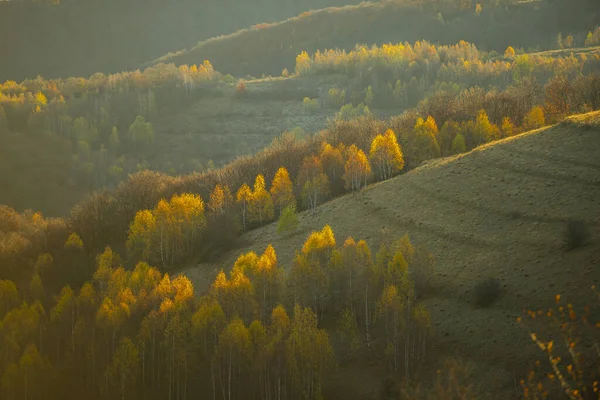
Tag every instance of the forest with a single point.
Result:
(93, 299)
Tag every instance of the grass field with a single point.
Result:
(497, 211)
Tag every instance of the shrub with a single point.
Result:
(288, 221)
(458, 144)
(577, 234)
(311, 104)
(487, 292)
(240, 89)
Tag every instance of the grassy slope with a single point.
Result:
(499, 210)
(270, 49)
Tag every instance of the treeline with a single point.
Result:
(346, 156)
(142, 334)
(491, 25)
(400, 75)
(80, 37)
(104, 119)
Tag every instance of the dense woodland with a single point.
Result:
(101, 129)
(92, 305)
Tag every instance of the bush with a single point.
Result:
(577, 234)
(240, 89)
(288, 221)
(311, 104)
(487, 292)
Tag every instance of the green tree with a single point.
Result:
(288, 221)
(141, 133)
(458, 144)
(124, 367)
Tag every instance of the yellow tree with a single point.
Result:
(509, 52)
(141, 235)
(357, 168)
(424, 145)
(188, 211)
(332, 160)
(386, 154)
(242, 197)
(281, 190)
(220, 199)
(260, 207)
(507, 129)
(266, 276)
(312, 181)
(534, 119)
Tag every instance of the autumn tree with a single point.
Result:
(507, 128)
(558, 92)
(309, 354)
(242, 197)
(534, 119)
(424, 146)
(509, 52)
(386, 154)
(141, 237)
(282, 190)
(482, 131)
(260, 206)
(124, 367)
(357, 168)
(233, 351)
(312, 182)
(220, 199)
(332, 160)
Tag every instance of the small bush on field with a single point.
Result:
(487, 292)
(311, 104)
(577, 234)
(240, 89)
(288, 221)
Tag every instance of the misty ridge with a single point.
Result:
(300, 200)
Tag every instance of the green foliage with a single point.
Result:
(141, 133)
(288, 220)
(458, 144)
(336, 97)
(593, 38)
(312, 105)
(348, 329)
(349, 112)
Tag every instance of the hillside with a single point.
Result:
(269, 48)
(79, 38)
(497, 211)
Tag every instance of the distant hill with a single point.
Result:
(497, 211)
(267, 49)
(79, 38)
